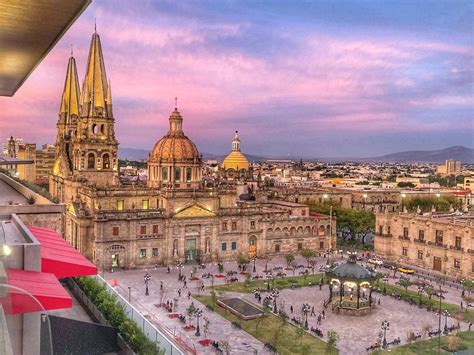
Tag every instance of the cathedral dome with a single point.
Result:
(174, 146)
(235, 160)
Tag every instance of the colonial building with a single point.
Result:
(174, 216)
(438, 242)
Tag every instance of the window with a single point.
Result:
(142, 230)
(154, 252)
(105, 161)
(115, 231)
(457, 263)
(189, 174)
(300, 246)
(91, 161)
(234, 245)
(120, 204)
(321, 245)
(277, 248)
(142, 253)
(458, 242)
(224, 246)
(340, 200)
(303, 212)
(252, 224)
(420, 254)
(405, 232)
(380, 230)
(177, 174)
(224, 226)
(439, 237)
(164, 174)
(421, 235)
(404, 251)
(155, 228)
(388, 230)
(234, 226)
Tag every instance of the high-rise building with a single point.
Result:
(44, 163)
(450, 167)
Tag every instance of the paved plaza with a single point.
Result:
(356, 333)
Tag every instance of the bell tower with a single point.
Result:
(95, 146)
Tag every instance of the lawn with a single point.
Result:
(281, 283)
(453, 309)
(430, 346)
(271, 329)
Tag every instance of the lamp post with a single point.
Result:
(385, 327)
(306, 310)
(129, 294)
(446, 315)
(254, 260)
(198, 314)
(420, 293)
(147, 279)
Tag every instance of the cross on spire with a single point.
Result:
(95, 25)
(176, 103)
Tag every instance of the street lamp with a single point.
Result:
(385, 327)
(306, 310)
(254, 259)
(198, 314)
(420, 293)
(129, 294)
(446, 315)
(147, 279)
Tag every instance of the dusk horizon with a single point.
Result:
(311, 80)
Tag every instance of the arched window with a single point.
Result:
(269, 232)
(94, 128)
(91, 161)
(105, 161)
(177, 174)
(189, 174)
(253, 240)
(164, 173)
(102, 129)
(292, 231)
(321, 231)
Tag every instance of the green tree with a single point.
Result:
(405, 283)
(405, 184)
(333, 337)
(308, 254)
(190, 312)
(289, 259)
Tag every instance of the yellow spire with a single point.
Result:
(95, 88)
(70, 102)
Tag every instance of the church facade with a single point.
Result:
(172, 218)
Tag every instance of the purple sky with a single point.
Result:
(311, 79)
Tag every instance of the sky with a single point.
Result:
(296, 78)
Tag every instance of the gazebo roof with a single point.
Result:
(351, 271)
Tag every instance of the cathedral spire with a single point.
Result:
(95, 98)
(236, 142)
(70, 102)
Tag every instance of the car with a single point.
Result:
(375, 262)
(406, 270)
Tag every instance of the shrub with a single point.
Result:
(271, 347)
(236, 325)
(209, 307)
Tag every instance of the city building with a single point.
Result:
(176, 215)
(44, 163)
(438, 242)
(236, 165)
(450, 167)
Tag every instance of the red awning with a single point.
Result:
(59, 257)
(47, 290)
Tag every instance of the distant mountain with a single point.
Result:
(142, 154)
(463, 154)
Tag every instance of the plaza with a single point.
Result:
(356, 333)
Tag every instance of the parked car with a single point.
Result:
(375, 262)
(406, 270)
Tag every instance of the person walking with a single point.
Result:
(312, 312)
(179, 292)
(324, 314)
(291, 309)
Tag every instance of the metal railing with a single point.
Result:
(151, 332)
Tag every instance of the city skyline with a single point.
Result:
(352, 80)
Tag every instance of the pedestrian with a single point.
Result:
(179, 292)
(379, 302)
(324, 314)
(461, 304)
(189, 295)
(312, 312)
(320, 286)
(168, 270)
(291, 309)
(319, 320)
(184, 282)
(161, 285)
(470, 325)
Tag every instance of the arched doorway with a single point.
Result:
(252, 248)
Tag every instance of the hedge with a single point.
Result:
(115, 314)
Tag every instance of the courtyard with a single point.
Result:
(356, 333)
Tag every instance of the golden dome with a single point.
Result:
(235, 160)
(175, 146)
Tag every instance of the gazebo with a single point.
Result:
(350, 288)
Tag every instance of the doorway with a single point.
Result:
(436, 263)
(190, 250)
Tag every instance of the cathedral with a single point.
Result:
(175, 216)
